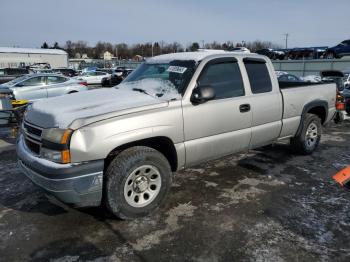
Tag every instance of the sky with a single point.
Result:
(28, 23)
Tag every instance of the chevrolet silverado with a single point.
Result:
(120, 146)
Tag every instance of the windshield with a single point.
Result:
(17, 80)
(173, 76)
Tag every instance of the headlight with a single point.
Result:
(57, 135)
(55, 145)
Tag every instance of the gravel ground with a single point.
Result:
(266, 205)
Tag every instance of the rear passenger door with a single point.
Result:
(266, 102)
(55, 85)
(218, 127)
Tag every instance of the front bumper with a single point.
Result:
(77, 184)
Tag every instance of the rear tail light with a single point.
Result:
(340, 106)
(83, 83)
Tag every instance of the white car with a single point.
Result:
(93, 77)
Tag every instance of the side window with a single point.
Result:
(283, 78)
(225, 78)
(292, 78)
(34, 81)
(51, 80)
(259, 77)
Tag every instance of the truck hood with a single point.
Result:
(79, 109)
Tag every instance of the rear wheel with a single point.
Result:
(307, 140)
(137, 182)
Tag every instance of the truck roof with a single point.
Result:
(197, 56)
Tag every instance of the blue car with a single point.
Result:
(338, 51)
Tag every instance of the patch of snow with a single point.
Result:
(280, 73)
(158, 88)
(63, 110)
(311, 78)
(32, 50)
(195, 56)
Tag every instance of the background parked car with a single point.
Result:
(118, 75)
(38, 86)
(40, 66)
(306, 53)
(339, 50)
(272, 54)
(346, 78)
(289, 78)
(346, 94)
(93, 77)
(8, 74)
(66, 71)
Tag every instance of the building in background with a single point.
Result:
(22, 57)
(107, 56)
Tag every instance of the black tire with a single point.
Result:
(119, 173)
(301, 143)
(339, 117)
(347, 111)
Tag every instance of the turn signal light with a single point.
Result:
(65, 156)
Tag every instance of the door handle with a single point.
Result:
(244, 108)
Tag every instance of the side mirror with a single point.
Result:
(19, 85)
(202, 94)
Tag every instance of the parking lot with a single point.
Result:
(267, 205)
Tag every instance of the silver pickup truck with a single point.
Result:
(172, 112)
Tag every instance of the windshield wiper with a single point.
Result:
(141, 91)
(145, 92)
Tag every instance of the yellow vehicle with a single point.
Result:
(18, 103)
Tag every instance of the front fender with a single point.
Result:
(89, 144)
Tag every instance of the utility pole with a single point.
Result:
(203, 44)
(286, 38)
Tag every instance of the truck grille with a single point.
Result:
(32, 137)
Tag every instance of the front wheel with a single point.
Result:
(137, 182)
(307, 140)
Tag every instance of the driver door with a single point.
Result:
(221, 126)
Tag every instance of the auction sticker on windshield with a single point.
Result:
(177, 69)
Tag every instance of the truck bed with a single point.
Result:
(297, 96)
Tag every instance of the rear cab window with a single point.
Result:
(258, 74)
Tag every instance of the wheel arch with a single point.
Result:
(318, 108)
(160, 143)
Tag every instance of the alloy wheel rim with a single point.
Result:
(142, 186)
(311, 135)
